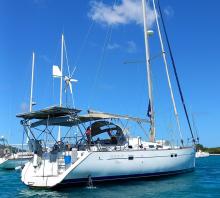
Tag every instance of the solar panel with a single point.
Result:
(50, 112)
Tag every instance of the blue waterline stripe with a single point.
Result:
(124, 177)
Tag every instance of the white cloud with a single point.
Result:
(112, 46)
(128, 11)
(131, 47)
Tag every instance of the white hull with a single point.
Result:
(12, 163)
(114, 165)
(200, 154)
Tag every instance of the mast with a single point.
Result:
(61, 82)
(147, 51)
(32, 86)
(32, 82)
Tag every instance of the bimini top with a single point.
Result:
(62, 116)
(50, 112)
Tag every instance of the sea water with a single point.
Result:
(203, 182)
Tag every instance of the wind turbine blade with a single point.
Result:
(56, 72)
(66, 78)
(71, 88)
(73, 80)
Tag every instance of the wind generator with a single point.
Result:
(58, 73)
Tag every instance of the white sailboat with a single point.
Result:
(13, 160)
(200, 154)
(11, 157)
(104, 151)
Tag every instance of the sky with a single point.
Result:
(100, 36)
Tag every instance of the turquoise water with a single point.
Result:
(203, 182)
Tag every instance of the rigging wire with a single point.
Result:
(70, 75)
(100, 63)
(175, 72)
(195, 127)
(77, 58)
(53, 88)
(66, 56)
(82, 47)
(25, 94)
(167, 73)
(22, 145)
(103, 51)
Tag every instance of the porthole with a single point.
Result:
(130, 157)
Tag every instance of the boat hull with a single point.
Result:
(202, 154)
(107, 166)
(83, 181)
(113, 165)
(10, 164)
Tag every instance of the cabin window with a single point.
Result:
(131, 157)
(173, 155)
(151, 146)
